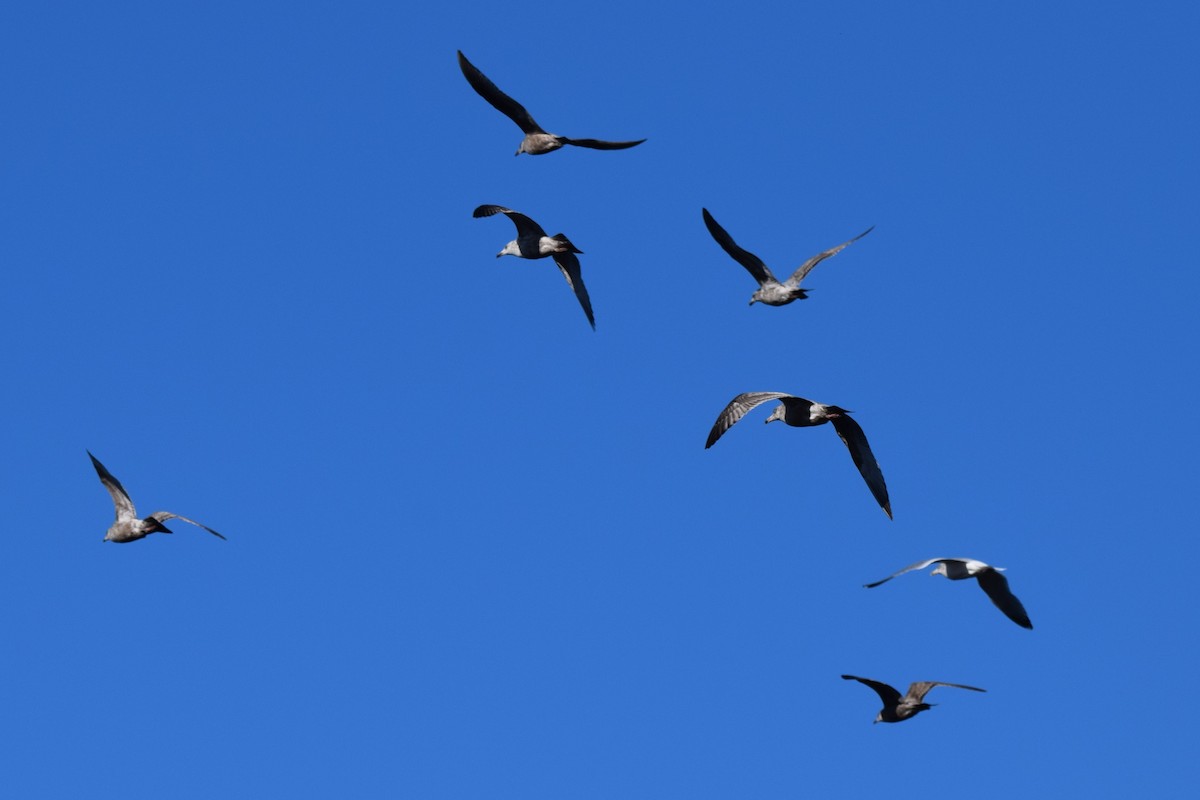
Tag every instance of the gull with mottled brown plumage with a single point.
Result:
(800, 413)
(771, 291)
(897, 708)
(537, 141)
(127, 527)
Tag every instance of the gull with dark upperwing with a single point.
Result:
(897, 708)
(770, 290)
(801, 413)
(537, 141)
(532, 242)
(994, 585)
(128, 527)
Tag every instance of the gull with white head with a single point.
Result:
(532, 242)
(994, 585)
(800, 413)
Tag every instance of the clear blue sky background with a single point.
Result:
(477, 550)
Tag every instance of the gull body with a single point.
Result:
(532, 242)
(127, 527)
(994, 585)
(800, 413)
(771, 291)
(897, 708)
(537, 141)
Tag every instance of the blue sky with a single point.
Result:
(476, 549)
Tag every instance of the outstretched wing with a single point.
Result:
(120, 497)
(499, 100)
(738, 407)
(753, 264)
(807, 266)
(887, 694)
(525, 226)
(918, 690)
(856, 441)
(163, 516)
(568, 264)
(599, 144)
(995, 585)
(909, 568)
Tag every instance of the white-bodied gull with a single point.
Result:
(127, 527)
(801, 413)
(897, 708)
(536, 141)
(770, 290)
(532, 242)
(994, 585)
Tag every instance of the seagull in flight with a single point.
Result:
(994, 585)
(771, 291)
(897, 708)
(537, 141)
(801, 413)
(127, 527)
(532, 242)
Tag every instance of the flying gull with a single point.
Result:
(801, 413)
(990, 580)
(536, 140)
(771, 291)
(127, 527)
(897, 708)
(532, 242)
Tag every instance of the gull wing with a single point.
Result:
(856, 442)
(120, 497)
(753, 264)
(807, 267)
(499, 100)
(525, 226)
(918, 690)
(909, 568)
(887, 694)
(738, 407)
(163, 516)
(995, 586)
(599, 144)
(568, 264)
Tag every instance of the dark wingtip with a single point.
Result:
(156, 526)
